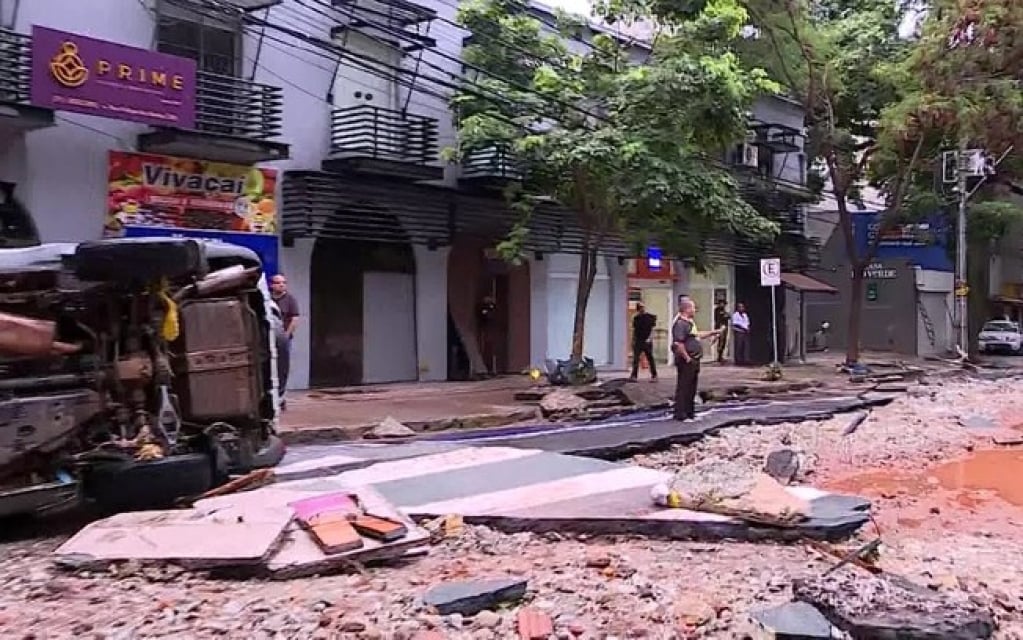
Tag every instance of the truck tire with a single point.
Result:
(138, 485)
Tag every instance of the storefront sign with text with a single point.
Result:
(76, 73)
(878, 271)
(153, 191)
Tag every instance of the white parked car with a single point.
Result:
(1000, 335)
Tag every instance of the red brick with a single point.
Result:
(534, 625)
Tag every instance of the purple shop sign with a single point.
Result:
(99, 78)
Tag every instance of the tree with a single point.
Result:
(960, 88)
(834, 58)
(628, 150)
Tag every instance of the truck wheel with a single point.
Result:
(137, 485)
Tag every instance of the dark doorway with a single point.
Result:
(758, 306)
(474, 274)
(337, 277)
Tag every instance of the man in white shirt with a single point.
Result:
(740, 331)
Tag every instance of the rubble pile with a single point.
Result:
(917, 429)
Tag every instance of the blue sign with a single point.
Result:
(924, 243)
(264, 245)
(653, 258)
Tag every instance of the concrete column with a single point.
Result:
(295, 264)
(619, 274)
(432, 312)
(538, 312)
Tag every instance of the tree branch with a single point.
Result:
(888, 218)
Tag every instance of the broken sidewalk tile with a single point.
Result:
(472, 596)
(194, 538)
(794, 621)
(533, 624)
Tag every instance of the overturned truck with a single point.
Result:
(133, 372)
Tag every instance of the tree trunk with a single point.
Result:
(978, 278)
(587, 274)
(852, 345)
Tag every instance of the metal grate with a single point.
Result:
(15, 66)
(235, 107)
(366, 131)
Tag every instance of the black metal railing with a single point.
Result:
(366, 131)
(15, 66)
(494, 162)
(235, 107)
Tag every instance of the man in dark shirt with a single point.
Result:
(721, 320)
(642, 341)
(288, 307)
(685, 344)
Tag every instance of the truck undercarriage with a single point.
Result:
(132, 372)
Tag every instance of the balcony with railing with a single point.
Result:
(16, 114)
(490, 167)
(236, 120)
(376, 140)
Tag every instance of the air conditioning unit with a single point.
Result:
(750, 155)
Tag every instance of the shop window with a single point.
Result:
(214, 44)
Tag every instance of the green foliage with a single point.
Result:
(628, 148)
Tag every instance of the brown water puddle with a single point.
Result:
(970, 480)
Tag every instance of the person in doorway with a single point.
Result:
(740, 331)
(288, 307)
(486, 319)
(721, 321)
(643, 342)
(685, 343)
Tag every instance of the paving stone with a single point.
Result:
(794, 620)
(470, 597)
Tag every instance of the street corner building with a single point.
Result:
(312, 133)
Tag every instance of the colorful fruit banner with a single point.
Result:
(152, 191)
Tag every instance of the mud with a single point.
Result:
(979, 491)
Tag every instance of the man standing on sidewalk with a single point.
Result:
(288, 307)
(642, 341)
(740, 329)
(721, 320)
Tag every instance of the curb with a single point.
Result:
(357, 433)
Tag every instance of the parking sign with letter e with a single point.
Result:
(770, 272)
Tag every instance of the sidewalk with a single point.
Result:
(349, 413)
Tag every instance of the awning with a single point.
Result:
(806, 284)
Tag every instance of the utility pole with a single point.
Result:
(960, 301)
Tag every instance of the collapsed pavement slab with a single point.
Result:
(521, 490)
(198, 538)
(889, 606)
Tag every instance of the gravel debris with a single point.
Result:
(596, 588)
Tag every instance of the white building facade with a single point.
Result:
(312, 132)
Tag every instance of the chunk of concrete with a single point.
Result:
(472, 596)
(794, 620)
(561, 401)
(389, 428)
(782, 465)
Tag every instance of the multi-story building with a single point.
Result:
(313, 131)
